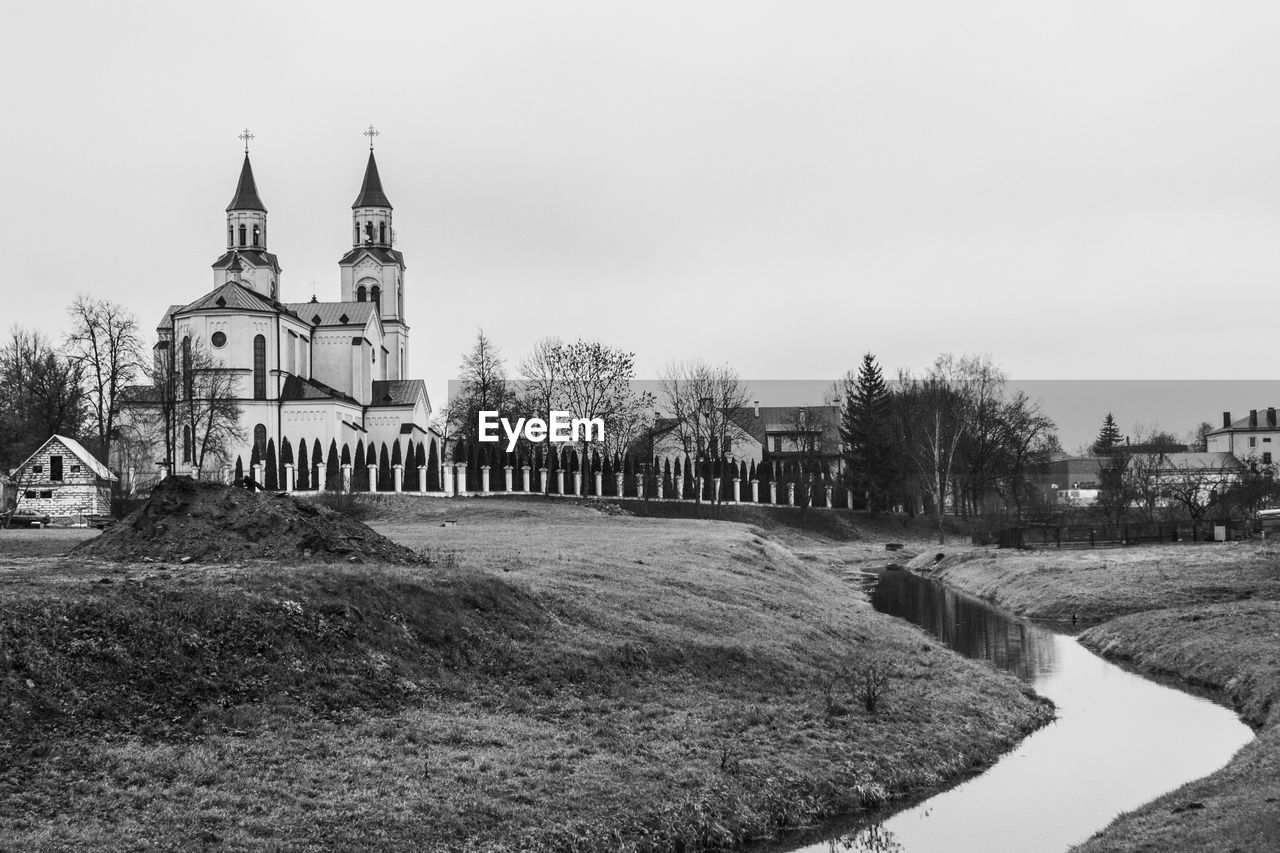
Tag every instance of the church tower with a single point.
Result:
(373, 271)
(247, 259)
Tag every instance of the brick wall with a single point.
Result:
(79, 493)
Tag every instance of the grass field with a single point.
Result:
(560, 678)
(1208, 615)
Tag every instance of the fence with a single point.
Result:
(1116, 535)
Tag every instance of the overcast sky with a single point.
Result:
(1080, 189)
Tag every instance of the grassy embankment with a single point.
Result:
(560, 680)
(1208, 615)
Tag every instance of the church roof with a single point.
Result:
(371, 194)
(237, 297)
(379, 254)
(250, 257)
(397, 392)
(298, 388)
(331, 313)
(246, 197)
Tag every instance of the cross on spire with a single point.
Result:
(371, 133)
(246, 136)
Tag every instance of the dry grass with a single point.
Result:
(1094, 585)
(561, 679)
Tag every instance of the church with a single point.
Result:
(300, 379)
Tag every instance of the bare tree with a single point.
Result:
(541, 379)
(192, 398)
(1198, 488)
(937, 415)
(104, 342)
(483, 386)
(596, 382)
(40, 395)
(703, 401)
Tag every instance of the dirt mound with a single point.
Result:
(214, 523)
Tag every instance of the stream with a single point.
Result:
(1120, 740)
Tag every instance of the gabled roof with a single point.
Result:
(298, 388)
(247, 257)
(371, 194)
(398, 392)
(236, 297)
(378, 253)
(77, 449)
(779, 420)
(246, 197)
(1212, 461)
(331, 313)
(167, 320)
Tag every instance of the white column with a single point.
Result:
(373, 478)
(397, 477)
(447, 481)
(257, 474)
(755, 491)
(577, 483)
(318, 481)
(791, 494)
(422, 479)
(462, 477)
(773, 491)
(546, 481)
(484, 479)
(511, 485)
(829, 504)
(737, 490)
(679, 495)
(599, 483)
(528, 474)
(640, 484)
(288, 476)
(618, 484)
(226, 475)
(715, 489)
(346, 478)
(560, 481)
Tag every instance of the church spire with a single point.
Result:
(246, 197)
(371, 194)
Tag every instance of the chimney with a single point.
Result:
(1226, 420)
(1271, 416)
(1253, 419)
(756, 405)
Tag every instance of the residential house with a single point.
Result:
(64, 481)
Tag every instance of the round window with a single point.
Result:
(219, 339)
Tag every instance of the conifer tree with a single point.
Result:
(866, 428)
(304, 474)
(273, 481)
(1108, 437)
(359, 473)
(239, 471)
(386, 481)
(332, 469)
(433, 468)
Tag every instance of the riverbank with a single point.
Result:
(558, 679)
(1208, 616)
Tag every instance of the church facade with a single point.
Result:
(302, 379)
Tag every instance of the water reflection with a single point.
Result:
(1119, 741)
(969, 626)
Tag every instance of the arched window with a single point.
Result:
(360, 293)
(375, 296)
(368, 231)
(259, 368)
(188, 382)
(256, 233)
(357, 232)
(260, 438)
(231, 235)
(186, 444)
(243, 236)
(382, 232)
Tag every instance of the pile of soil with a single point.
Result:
(215, 523)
